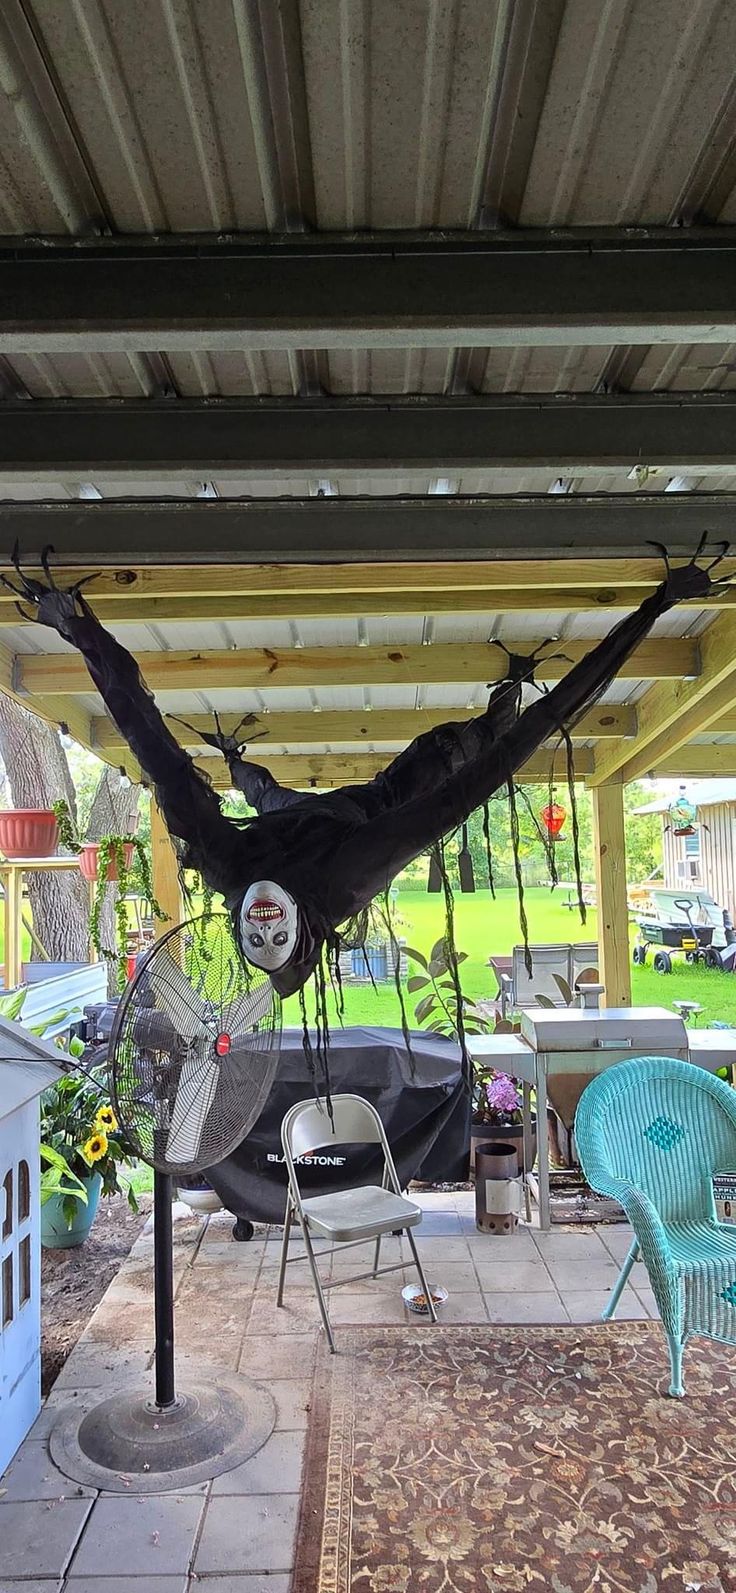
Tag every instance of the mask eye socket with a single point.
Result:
(281, 938)
(256, 940)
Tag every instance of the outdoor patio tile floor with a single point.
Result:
(236, 1535)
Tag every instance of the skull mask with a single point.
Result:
(269, 921)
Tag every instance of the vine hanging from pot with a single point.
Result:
(113, 856)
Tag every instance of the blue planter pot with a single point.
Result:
(55, 1235)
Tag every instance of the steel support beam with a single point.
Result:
(316, 530)
(232, 438)
(373, 292)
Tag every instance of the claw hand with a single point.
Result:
(230, 746)
(694, 580)
(50, 604)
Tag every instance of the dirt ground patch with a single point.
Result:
(74, 1281)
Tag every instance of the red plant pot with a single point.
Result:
(89, 860)
(28, 832)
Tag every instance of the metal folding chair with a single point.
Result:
(346, 1217)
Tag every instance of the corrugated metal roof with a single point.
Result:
(159, 115)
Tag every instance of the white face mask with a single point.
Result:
(269, 923)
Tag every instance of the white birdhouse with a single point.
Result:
(27, 1067)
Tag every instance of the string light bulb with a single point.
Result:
(125, 780)
(64, 736)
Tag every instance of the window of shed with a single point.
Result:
(24, 1264)
(8, 1218)
(7, 1290)
(24, 1191)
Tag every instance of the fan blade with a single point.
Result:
(195, 1093)
(176, 997)
(249, 1008)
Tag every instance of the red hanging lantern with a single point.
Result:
(553, 817)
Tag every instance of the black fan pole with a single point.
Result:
(163, 1275)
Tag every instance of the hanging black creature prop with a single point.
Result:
(311, 862)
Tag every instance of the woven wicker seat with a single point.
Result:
(652, 1133)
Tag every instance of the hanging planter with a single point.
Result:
(89, 860)
(123, 859)
(553, 817)
(28, 832)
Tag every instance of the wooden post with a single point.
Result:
(609, 844)
(165, 874)
(13, 903)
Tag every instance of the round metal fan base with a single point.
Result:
(126, 1442)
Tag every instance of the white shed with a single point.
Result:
(27, 1066)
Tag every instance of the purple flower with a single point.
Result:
(503, 1095)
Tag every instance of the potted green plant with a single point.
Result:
(498, 1114)
(79, 1125)
(437, 1010)
(119, 858)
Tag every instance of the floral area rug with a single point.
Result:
(503, 1459)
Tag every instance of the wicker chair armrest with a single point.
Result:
(643, 1216)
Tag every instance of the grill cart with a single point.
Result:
(558, 1052)
(682, 923)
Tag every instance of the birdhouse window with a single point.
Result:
(8, 1217)
(24, 1192)
(24, 1270)
(7, 1290)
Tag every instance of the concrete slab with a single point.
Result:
(33, 1475)
(123, 1584)
(263, 1358)
(258, 1535)
(517, 1308)
(277, 1468)
(586, 1305)
(38, 1539)
(151, 1535)
(515, 1277)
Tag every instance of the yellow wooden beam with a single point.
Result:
(398, 664)
(165, 871)
(133, 608)
(672, 712)
(609, 848)
(382, 724)
(332, 768)
(244, 579)
(702, 760)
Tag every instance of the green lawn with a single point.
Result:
(485, 927)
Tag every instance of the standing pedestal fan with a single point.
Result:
(193, 1052)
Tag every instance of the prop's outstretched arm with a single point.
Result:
(189, 805)
(260, 789)
(385, 846)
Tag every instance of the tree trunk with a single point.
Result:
(38, 774)
(114, 812)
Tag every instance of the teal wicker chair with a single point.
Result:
(651, 1133)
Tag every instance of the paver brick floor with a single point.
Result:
(237, 1534)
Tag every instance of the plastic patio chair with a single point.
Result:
(651, 1133)
(344, 1216)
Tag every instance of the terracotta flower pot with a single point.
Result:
(89, 860)
(28, 832)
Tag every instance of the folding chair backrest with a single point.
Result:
(307, 1127)
(663, 1126)
(547, 961)
(584, 955)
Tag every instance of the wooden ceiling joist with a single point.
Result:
(381, 724)
(60, 673)
(672, 712)
(328, 769)
(588, 577)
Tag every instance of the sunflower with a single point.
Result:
(105, 1120)
(95, 1148)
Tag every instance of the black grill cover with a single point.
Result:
(426, 1116)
